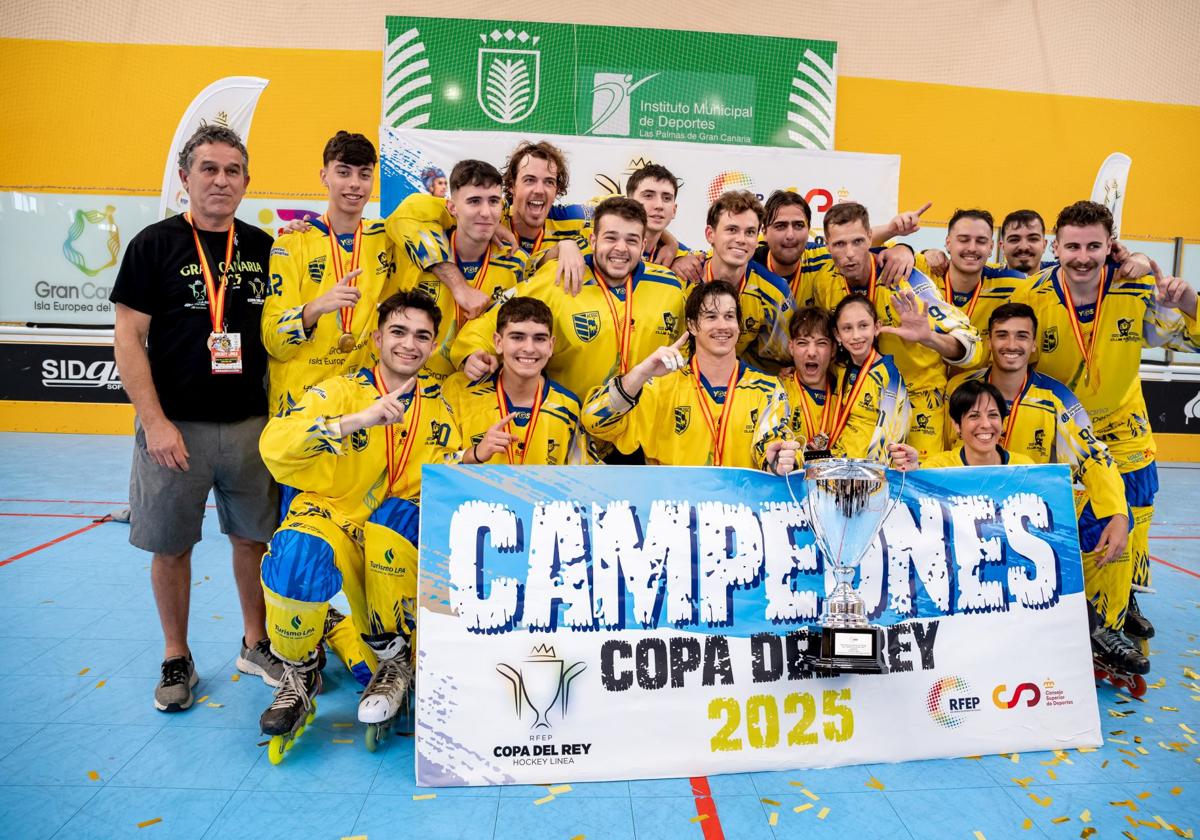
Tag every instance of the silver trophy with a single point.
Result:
(847, 502)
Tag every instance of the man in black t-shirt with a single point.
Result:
(189, 298)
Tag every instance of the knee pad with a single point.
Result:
(300, 566)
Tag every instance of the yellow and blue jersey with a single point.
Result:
(557, 436)
(1111, 391)
(958, 458)
(767, 307)
(300, 273)
(1047, 424)
(801, 279)
(303, 446)
(588, 326)
(668, 420)
(879, 415)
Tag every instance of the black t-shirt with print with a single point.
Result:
(160, 276)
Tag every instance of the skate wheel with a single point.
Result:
(278, 746)
(1138, 686)
(372, 738)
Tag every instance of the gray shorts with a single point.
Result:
(166, 507)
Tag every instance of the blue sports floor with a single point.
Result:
(83, 753)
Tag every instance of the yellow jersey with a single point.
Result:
(682, 419)
(303, 445)
(1110, 388)
(1047, 424)
(767, 307)
(800, 280)
(958, 458)
(596, 333)
(876, 412)
(555, 439)
(302, 270)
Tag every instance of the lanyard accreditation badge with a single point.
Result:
(225, 346)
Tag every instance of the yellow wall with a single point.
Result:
(960, 146)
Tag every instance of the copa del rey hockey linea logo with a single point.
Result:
(508, 75)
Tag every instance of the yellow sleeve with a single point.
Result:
(302, 447)
(418, 226)
(1090, 461)
(282, 327)
(477, 333)
(948, 319)
(607, 415)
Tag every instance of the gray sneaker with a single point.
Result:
(261, 662)
(174, 691)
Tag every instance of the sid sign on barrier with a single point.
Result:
(599, 623)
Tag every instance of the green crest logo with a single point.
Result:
(508, 78)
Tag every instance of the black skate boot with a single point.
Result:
(1137, 626)
(293, 708)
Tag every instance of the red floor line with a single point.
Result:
(1176, 568)
(58, 515)
(1158, 537)
(66, 501)
(706, 807)
(54, 541)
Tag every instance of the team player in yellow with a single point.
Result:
(709, 410)
(517, 414)
(327, 280)
(919, 329)
(534, 176)
(625, 308)
(475, 204)
(1046, 423)
(977, 410)
(969, 283)
(354, 446)
(1093, 325)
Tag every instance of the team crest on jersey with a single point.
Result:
(753, 420)
(1124, 329)
(670, 323)
(429, 287)
(551, 448)
(316, 269)
(1039, 441)
(869, 401)
(439, 434)
(358, 440)
(923, 422)
(683, 418)
(586, 324)
(387, 265)
(1050, 340)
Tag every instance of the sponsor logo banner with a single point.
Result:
(624, 622)
(609, 81)
(60, 373)
(600, 166)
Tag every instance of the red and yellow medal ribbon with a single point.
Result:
(970, 308)
(1010, 422)
(870, 280)
(1088, 348)
(624, 325)
(809, 426)
(708, 275)
(346, 314)
(794, 280)
(534, 413)
(479, 275)
(846, 402)
(395, 466)
(717, 427)
(214, 290)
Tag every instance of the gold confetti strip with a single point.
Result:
(695, 819)
(874, 783)
(1175, 791)
(579, 837)
(800, 809)
(341, 724)
(1050, 773)
(1143, 751)
(1129, 835)
(1060, 820)
(1147, 718)
(1161, 682)
(1023, 782)
(1027, 824)
(1125, 803)
(149, 822)
(1043, 801)
(93, 775)
(235, 677)
(1117, 741)
(1085, 816)
(769, 802)
(1187, 729)
(1103, 764)
(1164, 823)
(1015, 758)
(1169, 708)
(343, 740)
(544, 800)
(202, 699)
(773, 820)
(1191, 740)
(823, 813)
(1129, 753)
(356, 837)
(216, 705)
(417, 797)
(810, 794)
(1117, 732)
(1087, 832)
(1137, 739)
(1190, 674)
(1086, 750)
(797, 784)
(84, 671)
(101, 684)
(1116, 714)
(1131, 821)
(1131, 764)
(1150, 824)
(218, 617)
(557, 789)
(979, 835)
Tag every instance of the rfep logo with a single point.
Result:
(948, 700)
(1028, 692)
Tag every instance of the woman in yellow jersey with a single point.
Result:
(712, 410)
(977, 409)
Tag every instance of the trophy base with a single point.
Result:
(850, 650)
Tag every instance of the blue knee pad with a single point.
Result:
(1090, 527)
(301, 567)
(1141, 486)
(400, 515)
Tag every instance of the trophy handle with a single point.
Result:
(513, 676)
(896, 501)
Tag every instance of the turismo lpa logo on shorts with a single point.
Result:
(508, 78)
(949, 701)
(541, 683)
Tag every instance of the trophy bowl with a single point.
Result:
(847, 501)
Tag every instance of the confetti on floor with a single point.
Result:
(810, 794)
(699, 818)
(874, 784)
(93, 775)
(84, 671)
(769, 802)
(1027, 824)
(343, 740)
(579, 837)
(1044, 801)
(215, 705)
(342, 725)
(101, 684)
(1125, 803)
(417, 797)
(1144, 795)
(1087, 832)
(235, 677)
(149, 822)
(557, 789)
(1024, 783)
(979, 836)
(800, 809)
(544, 800)
(1175, 791)
(823, 813)
(356, 837)
(202, 699)
(1085, 816)
(773, 820)
(1060, 820)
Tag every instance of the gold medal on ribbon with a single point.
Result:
(346, 343)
